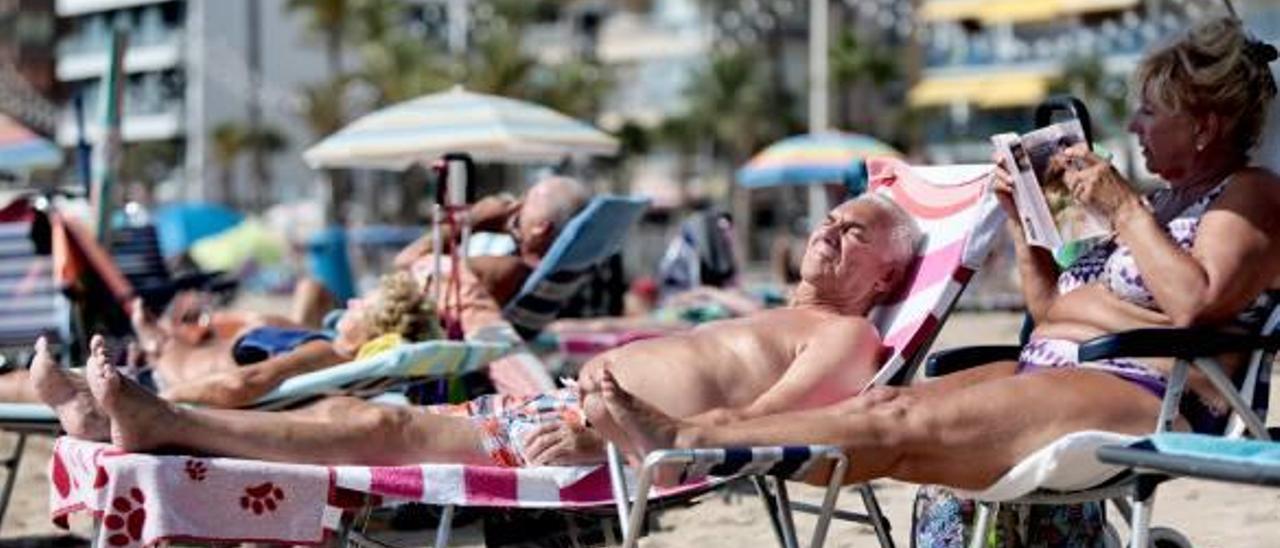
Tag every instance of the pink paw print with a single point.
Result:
(125, 525)
(261, 498)
(196, 470)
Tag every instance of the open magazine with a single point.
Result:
(1038, 193)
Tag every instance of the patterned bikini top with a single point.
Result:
(1114, 265)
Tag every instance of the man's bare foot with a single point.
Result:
(68, 395)
(646, 428)
(139, 419)
(151, 337)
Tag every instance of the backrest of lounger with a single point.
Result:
(30, 301)
(591, 236)
(960, 218)
(136, 252)
(1255, 387)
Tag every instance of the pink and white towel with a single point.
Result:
(145, 499)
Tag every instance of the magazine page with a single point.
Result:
(1038, 192)
(1033, 211)
(1074, 221)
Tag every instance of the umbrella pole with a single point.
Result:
(436, 245)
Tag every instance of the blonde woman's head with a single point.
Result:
(1217, 75)
(399, 306)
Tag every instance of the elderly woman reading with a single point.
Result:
(1203, 251)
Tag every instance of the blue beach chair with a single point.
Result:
(589, 238)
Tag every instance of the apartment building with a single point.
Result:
(187, 71)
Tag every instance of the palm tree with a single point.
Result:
(229, 142)
(332, 22)
(266, 142)
(730, 101)
(861, 69)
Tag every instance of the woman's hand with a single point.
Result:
(1002, 184)
(1094, 182)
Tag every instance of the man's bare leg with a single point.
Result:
(370, 434)
(68, 394)
(966, 438)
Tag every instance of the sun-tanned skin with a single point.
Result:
(966, 430)
(812, 354)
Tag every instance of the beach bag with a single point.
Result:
(940, 519)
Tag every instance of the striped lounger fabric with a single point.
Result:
(959, 222)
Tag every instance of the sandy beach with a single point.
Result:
(1210, 514)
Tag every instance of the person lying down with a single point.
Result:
(819, 350)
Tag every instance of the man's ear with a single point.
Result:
(888, 282)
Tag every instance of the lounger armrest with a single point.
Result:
(946, 362)
(1171, 343)
(783, 461)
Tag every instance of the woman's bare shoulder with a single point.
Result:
(1254, 191)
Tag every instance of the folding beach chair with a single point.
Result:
(593, 235)
(1068, 471)
(136, 252)
(31, 303)
(960, 219)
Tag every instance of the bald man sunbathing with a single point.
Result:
(817, 351)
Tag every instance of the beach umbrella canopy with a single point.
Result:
(182, 224)
(22, 149)
(488, 127)
(830, 157)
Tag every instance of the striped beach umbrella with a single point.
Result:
(829, 157)
(488, 127)
(21, 149)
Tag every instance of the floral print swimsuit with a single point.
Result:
(1113, 265)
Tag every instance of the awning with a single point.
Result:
(984, 90)
(1015, 11)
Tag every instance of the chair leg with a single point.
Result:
(982, 529)
(1144, 491)
(770, 507)
(11, 479)
(878, 521)
(445, 529)
(783, 504)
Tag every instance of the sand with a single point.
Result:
(1210, 514)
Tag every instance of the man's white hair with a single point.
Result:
(905, 236)
(570, 196)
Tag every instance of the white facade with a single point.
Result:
(187, 73)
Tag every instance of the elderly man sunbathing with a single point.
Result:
(532, 222)
(815, 352)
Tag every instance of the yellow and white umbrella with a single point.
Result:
(488, 127)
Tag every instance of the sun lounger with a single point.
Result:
(1069, 470)
(136, 252)
(960, 221)
(593, 235)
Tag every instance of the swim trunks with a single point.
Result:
(505, 420)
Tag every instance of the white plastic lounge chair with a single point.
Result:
(1068, 471)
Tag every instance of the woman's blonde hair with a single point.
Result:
(1215, 68)
(403, 307)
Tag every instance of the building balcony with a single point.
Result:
(140, 124)
(90, 60)
(951, 48)
(69, 8)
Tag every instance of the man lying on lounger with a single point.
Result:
(817, 351)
